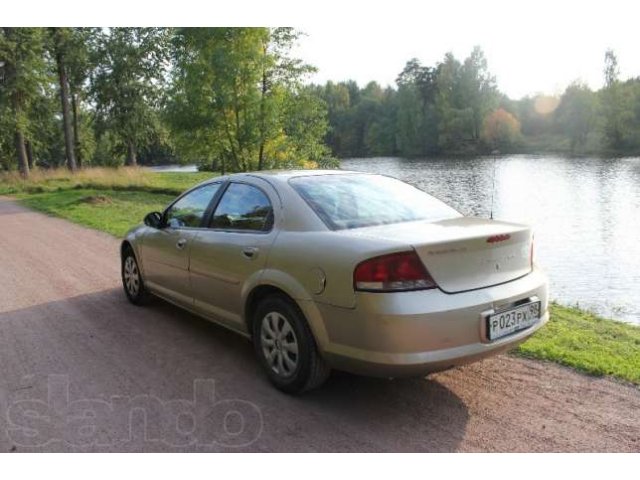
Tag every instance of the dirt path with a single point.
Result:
(82, 369)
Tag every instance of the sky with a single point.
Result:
(531, 46)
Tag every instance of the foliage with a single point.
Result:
(576, 114)
(237, 102)
(235, 99)
(617, 111)
(588, 343)
(446, 108)
(126, 85)
(500, 129)
(23, 71)
(77, 47)
(433, 110)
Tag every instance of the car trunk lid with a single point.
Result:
(464, 253)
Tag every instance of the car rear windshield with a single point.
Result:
(346, 201)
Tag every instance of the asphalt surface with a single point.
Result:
(81, 369)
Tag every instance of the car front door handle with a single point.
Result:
(181, 243)
(250, 252)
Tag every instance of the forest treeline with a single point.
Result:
(455, 107)
(237, 99)
(232, 99)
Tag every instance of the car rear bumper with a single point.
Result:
(414, 333)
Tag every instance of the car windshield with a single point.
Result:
(363, 200)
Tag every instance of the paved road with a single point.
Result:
(81, 369)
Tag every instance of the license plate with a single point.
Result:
(512, 320)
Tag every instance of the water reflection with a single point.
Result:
(586, 215)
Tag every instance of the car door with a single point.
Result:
(165, 251)
(231, 250)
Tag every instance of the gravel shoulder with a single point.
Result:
(83, 370)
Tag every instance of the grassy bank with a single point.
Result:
(115, 200)
(125, 179)
(112, 211)
(107, 199)
(588, 343)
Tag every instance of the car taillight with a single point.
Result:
(391, 273)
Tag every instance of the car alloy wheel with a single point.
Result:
(286, 347)
(131, 276)
(132, 280)
(279, 344)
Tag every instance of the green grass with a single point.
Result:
(112, 211)
(588, 343)
(108, 199)
(179, 181)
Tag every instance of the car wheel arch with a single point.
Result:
(124, 246)
(306, 306)
(256, 295)
(128, 245)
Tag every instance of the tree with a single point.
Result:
(304, 126)
(338, 102)
(454, 116)
(79, 46)
(500, 129)
(417, 128)
(411, 122)
(232, 92)
(59, 37)
(127, 81)
(617, 110)
(576, 113)
(280, 72)
(23, 72)
(477, 89)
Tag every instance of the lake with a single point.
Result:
(585, 212)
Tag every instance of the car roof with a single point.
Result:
(279, 176)
(286, 174)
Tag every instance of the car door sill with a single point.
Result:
(200, 313)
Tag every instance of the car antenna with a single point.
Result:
(495, 154)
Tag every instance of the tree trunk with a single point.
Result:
(23, 162)
(16, 101)
(261, 156)
(76, 131)
(131, 160)
(30, 160)
(263, 99)
(64, 100)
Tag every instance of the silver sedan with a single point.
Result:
(344, 270)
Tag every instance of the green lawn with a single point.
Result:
(179, 181)
(588, 343)
(112, 211)
(111, 200)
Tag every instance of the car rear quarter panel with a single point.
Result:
(323, 262)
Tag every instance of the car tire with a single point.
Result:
(132, 281)
(286, 347)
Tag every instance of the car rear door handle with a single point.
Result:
(250, 252)
(181, 243)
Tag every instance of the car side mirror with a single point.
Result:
(153, 220)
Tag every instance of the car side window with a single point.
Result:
(190, 209)
(243, 207)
